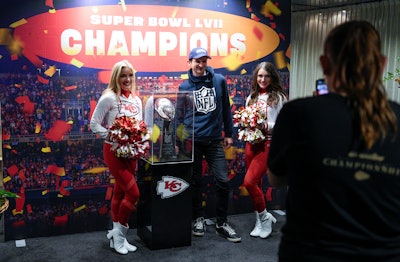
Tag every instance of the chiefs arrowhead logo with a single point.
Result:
(171, 186)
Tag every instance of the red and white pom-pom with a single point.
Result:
(249, 119)
(130, 137)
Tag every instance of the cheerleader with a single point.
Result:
(119, 99)
(267, 94)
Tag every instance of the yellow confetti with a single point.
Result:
(5, 36)
(46, 149)
(243, 191)
(95, 170)
(270, 8)
(51, 71)
(279, 59)
(76, 63)
(258, 55)
(18, 23)
(38, 127)
(15, 212)
(174, 12)
(79, 208)
(152, 159)
(232, 62)
(6, 179)
(230, 153)
(181, 132)
(240, 150)
(155, 134)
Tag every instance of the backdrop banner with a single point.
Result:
(55, 60)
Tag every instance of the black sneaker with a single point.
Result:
(227, 232)
(199, 227)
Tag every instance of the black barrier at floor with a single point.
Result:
(164, 211)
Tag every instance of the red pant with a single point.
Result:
(126, 191)
(256, 163)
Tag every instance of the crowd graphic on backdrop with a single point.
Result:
(54, 102)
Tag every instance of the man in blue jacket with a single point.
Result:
(212, 117)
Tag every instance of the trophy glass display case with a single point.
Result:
(169, 117)
(164, 176)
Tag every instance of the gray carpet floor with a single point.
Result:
(94, 246)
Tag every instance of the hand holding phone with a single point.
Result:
(320, 87)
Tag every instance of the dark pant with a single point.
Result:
(213, 153)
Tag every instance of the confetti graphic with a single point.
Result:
(54, 69)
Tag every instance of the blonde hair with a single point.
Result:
(113, 85)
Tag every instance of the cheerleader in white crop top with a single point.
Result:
(117, 100)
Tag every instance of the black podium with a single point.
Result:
(164, 214)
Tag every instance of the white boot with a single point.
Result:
(266, 220)
(117, 235)
(129, 247)
(257, 227)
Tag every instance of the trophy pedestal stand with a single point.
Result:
(164, 211)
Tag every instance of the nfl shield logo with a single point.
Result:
(204, 99)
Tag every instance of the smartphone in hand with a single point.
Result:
(320, 87)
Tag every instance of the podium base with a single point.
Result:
(164, 210)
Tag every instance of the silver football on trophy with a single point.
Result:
(165, 108)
